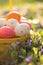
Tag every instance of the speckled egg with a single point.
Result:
(12, 22)
(22, 29)
(2, 22)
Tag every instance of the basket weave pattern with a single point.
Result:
(5, 43)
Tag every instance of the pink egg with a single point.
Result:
(6, 32)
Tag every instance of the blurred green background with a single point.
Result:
(18, 2)
(4, 2)
(32, 8)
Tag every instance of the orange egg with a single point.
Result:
(13, 15)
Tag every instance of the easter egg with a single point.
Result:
(6, 32)
(30, 26)
(12, 22)
(14, 15)
(22, 29)
(2, 22)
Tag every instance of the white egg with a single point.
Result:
(12, 22)
(22, 29)
(2, 22)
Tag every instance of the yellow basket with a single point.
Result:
(5, 43)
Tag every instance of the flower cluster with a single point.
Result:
(27, 52)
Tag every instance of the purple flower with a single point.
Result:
(29, 42)
(12, 44)
(26, 45)
(18, 43)
(41, 51)
(39, 39)
(41, 47)
(28, 59)
(10, 48)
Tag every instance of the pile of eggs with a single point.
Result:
(13, 25)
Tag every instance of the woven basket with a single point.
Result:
(5, 43)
